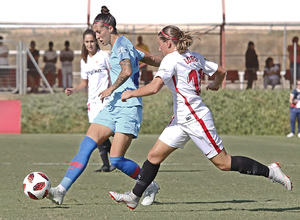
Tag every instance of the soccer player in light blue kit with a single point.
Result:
(119, 119)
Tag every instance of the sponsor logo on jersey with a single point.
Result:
(93, 71)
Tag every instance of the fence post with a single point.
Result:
(39, 71)
(295, 64)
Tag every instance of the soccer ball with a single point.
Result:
(36, 185)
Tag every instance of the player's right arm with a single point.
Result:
(219, 77)
(81, 86)
(125, 73)
(150, 89)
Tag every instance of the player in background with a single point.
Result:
(94, 77)
(119, 119)
(181, 70)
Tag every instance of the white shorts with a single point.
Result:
(202, 132)
(93, 109)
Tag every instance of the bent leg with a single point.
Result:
(120, 144)
(104, 149)
(150, 168)
(241, 164)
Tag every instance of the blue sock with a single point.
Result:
(129, 167)
(79, 162)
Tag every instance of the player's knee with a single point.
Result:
(155, 159)
(117, 162)
(223, 167)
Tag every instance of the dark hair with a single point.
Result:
(295, 39)
(250, 43)
(181, 39)
(32, 42)
(1, 38)
(67, 43)
(106, 19)
(50, 44)
(269, 59)
(84, 51)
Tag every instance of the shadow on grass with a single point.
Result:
(56, 207)
(64, 206)
(226, 209)
(275, 209)
(215, 202)
(180, 171)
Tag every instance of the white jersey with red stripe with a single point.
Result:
(182, 74)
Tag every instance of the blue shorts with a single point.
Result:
(126, 120)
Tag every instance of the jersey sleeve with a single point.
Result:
(140, 54)
(82, 70)
(166, 69)
(209, 67)
(123, 52)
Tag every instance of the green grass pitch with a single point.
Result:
(191, 187)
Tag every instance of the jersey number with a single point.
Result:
(193, 76)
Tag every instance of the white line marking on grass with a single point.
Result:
(163, 164)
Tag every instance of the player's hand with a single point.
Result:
(69, 91)
(213, 87)
(105, 93)
(126, 95)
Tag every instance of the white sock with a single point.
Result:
(62, 189)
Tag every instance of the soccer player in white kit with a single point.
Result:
(94, 76)
(181, 70)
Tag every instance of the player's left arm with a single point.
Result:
(150, 89)
(219, 77)
(123, 76)
(149, 58)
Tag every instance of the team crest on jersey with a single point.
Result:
(122, 50)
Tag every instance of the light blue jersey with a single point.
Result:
(123, 49)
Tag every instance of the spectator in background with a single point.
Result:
(251, 64)
(295, 110)
(4, 71)
(50, 59)
(271, 74)
(143, 66)
(33, 77)
(66, 58)
(291, 57)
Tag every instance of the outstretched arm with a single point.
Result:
(151, 60)
(150, 89)
(81, 86)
